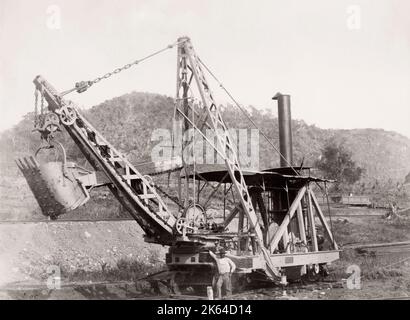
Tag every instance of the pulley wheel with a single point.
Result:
(68, 116)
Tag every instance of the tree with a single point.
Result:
(336, 163)
(407, 179)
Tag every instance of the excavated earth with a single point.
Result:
(29, 250)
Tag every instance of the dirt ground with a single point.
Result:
(377, 289)
(27, 250)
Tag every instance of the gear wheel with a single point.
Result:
(182, 224)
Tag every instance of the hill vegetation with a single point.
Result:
(129, 120)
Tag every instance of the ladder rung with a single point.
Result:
(147, 196)
(171, 218)
(131, 177)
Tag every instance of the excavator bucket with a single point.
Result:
(58, 187)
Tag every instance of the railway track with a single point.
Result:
(373, 215)
(403, 245)
(127, 290)
(394, 298)
(93, 290)
(63, 220)
(131, 219)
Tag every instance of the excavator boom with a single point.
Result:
(129, 186)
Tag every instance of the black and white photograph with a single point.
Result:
(205, 155)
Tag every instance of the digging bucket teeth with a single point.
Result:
(54, 185)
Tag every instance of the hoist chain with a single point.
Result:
(84, 85)
(42, 103)
(35, 108)
(172, 198)
(38, 114)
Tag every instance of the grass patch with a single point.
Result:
(372, 230)
(124, 270)
(372, 266)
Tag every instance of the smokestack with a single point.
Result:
(285, 129)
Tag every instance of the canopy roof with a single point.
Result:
(275, 177)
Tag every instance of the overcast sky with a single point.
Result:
(345, 63)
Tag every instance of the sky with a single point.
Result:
(346, 64)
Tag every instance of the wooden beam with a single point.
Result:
(232, 215)
(301, 224)
(179, 180)
(323, 220)
(241, 221)
(285, 239)
(144, 190)
(273, 242)
(215, 189)
(262, 210)
(240, 230)
(311, 218)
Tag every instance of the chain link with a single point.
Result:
(38, 116)
(172, 198)
(42, 102)
(115, 71)
(84, 85)
(35, 108)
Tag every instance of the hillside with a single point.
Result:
(129, 120)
